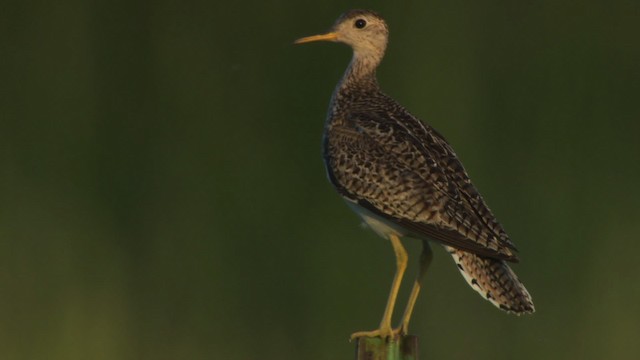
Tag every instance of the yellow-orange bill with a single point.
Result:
(324, 37)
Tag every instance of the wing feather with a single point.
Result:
(405, 172)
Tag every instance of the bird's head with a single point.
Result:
(365, 31)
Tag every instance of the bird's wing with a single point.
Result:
(412, 180)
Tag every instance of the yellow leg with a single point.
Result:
(425, 261)
(385, 330)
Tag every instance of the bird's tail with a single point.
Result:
(494, 280)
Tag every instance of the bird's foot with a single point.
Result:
(385, 332)
(402, 330)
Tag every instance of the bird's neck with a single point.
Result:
(362, 68)
(361, 74)
(358, 84)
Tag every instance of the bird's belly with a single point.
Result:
(381, 226)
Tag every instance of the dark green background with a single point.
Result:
(162, 193)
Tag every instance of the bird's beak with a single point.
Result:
(332, 36)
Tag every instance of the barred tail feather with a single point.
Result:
(494, 280)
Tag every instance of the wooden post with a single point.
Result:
(375, 348)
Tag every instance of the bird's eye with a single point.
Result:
(360, 23)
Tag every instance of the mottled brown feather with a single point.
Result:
(494, 280)
(391, 163)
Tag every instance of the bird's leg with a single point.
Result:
(425, 261)
(385, 330)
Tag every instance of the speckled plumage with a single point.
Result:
(403, 177)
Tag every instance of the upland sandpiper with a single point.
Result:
(404, 179)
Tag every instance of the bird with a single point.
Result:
(404, 180)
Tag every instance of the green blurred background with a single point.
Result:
(162, 193)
